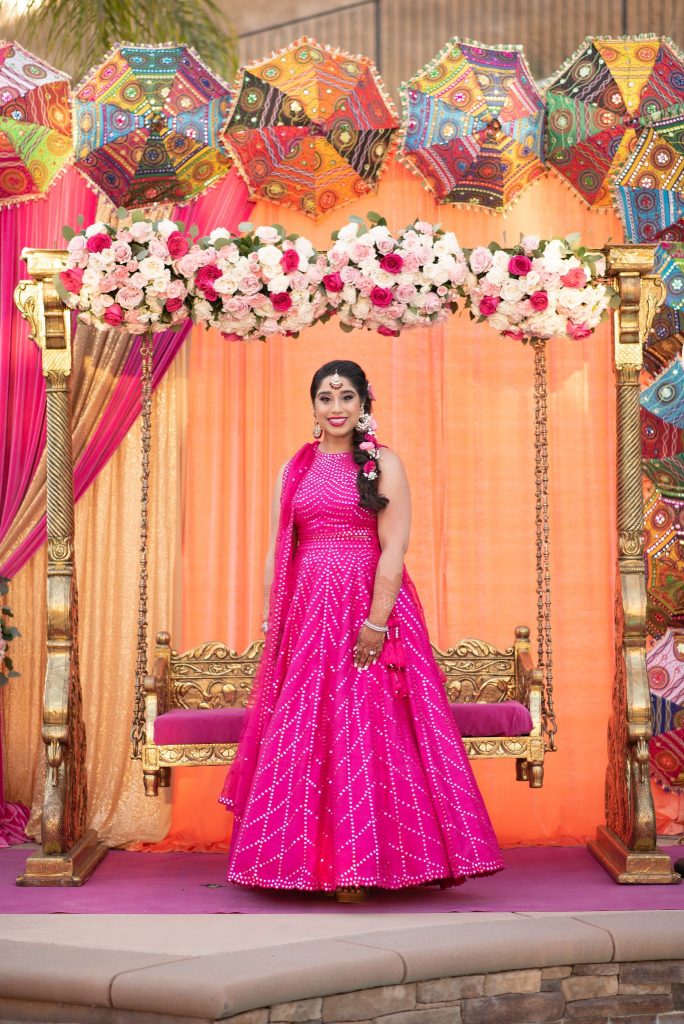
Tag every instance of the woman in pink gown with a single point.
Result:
(351, 772)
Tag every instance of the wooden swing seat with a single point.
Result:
(195, 705)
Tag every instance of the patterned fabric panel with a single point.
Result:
(659, 440)
(667, 758)
(665, 397)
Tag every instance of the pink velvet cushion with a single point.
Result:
(224, 725)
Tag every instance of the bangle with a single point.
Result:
(378, 629)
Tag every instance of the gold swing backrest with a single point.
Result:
(213, 676)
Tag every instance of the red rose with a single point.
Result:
(207, 275)
(72, 279)
(113, 315)
(281, 302)
(578, 331)
(575, 278)
(290, 261)
(381, 297)
(519, 265)
(173, 304)
(369, 467)
(177, 245)
(392, 263)
(333, 282)
(539, 300)
(488, 304)
(210, 293)
(96, 243)
(387, 331)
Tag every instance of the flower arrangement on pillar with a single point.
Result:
(390, 284)
(538, 289)
(260, 283)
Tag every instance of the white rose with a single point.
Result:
(304, 247)
(151, 267)
(141, 231)
(166, 228)
(91, 278)
(570, 298)
(219, 233)
(496, 276)
(361, 308)
(279, 283)
(98, 228)
(511, 291)
(529, 243)
(269, 255)
(499, 322)
(268, 235)
(500, 258)
(349, 293)
(349, 232)
(201, 310)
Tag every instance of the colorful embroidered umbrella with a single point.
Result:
(147, 126)
(311, 127)
(609, 90)
(474, 125)
(35, 124)
(649, 190)
(665, 396)
(664, 560)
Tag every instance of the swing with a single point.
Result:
(190, 711)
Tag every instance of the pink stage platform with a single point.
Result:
(553, 879)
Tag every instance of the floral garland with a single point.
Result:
(145, 276)
(127, 277)
(538, 289)
(7, 634)
(386, 284)
(255, 285)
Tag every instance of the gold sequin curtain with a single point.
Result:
(107, 525)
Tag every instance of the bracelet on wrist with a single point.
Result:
(376, 629)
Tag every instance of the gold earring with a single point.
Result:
(317, 429)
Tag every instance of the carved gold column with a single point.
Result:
(69, 852)
(626, 845)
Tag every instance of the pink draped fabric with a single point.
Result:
(22, 388)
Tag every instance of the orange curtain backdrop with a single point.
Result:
(457, 403)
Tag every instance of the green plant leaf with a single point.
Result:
(68, 233)
(245, 227)
(14, 675)
(180, 224)
(346, 328)
(80, 220)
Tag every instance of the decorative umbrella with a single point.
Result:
(147, 123)
(659, 440)
(649, 190)
(35, 124)
(474, 123)
(311, 127)
(665, 665)
(665, 396)
(609, 90)
(664, 561)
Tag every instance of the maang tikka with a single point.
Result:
(336, 381)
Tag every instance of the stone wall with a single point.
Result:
(645, 992)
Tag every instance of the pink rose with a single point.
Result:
(385, 245)
(367, 446)
(187, 265)
(350, 275)
(518, 335)
(539, 300)
(122, 251)
(108, 283)
(289, 261)
(173, 304)
(578, 331)
(113, 315)
(96, 243)
(432, 303)
(406, 292)
(360, 251)
(519, 265)
(210, 293)
(369, 467)
(488, 304)
(258, 301)
(238, 306)
(575, 278)
(392, 263)
(389, 333)
(204, 281)
(480, 260)
(72, 279)
(177, 245)
(157, 247)
(333, 282)
(281, 302)
(381, 297)
(176, 290)
(129, 296)
(250, 284)
(410, 263)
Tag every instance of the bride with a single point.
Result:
(350, 772)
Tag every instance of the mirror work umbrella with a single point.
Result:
(608, 92)
(35, 124)
(147, 126)
(649, 190)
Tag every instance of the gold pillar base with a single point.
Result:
(71, 868)
(630, 866)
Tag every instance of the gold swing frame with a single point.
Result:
(625, 845)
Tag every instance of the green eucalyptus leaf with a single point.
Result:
(180, 224)
(68, 233)
(14, 675)
(245, 227)
(356, 220)
(80, 220)
(346, 328)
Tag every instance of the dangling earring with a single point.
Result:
(364, 423)
(317, 430)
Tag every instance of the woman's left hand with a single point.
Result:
(368, 647)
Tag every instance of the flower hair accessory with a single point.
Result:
(369, 445)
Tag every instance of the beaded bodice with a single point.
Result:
(326, 506)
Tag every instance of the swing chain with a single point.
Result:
(138, 728)
(541, 478)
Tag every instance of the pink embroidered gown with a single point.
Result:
(349, 784)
